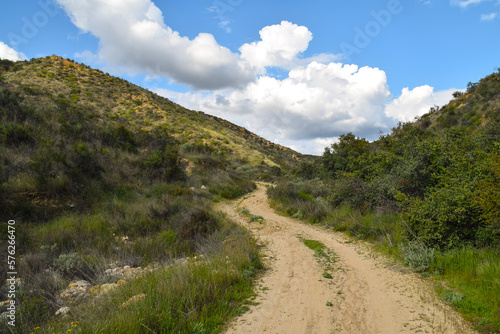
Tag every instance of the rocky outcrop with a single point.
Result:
(63, 311)
(103, 289)
(81, 290)
(75, 292)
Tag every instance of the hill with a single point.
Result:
(51, 102)
(62, 82)
(101, 175)
(472, 109)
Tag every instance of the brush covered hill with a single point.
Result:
(54, 80)
(97, 171)
(473, 109)
(56, 112)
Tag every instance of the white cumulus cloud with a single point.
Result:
(134, 37)
(6, 52)
(317, 101)
(416, 102)
(280, 46)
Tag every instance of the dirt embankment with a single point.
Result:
(364, 294)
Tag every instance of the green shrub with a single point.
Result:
(16, 134)
(454, 297)
(125, 138)
(163, 165)
(446, 218)
(44, 166)
(81, 164)
(70, 265)
(305, 196)
(254, 218)
(350, 191)
(417, 255)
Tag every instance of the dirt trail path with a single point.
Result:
(367, 294)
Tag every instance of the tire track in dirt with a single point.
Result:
(368, 294)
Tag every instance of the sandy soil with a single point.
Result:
(367, 294)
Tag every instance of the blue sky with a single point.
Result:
(298, 73)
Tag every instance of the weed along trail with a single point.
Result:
(319, 282)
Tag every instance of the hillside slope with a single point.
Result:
(472, 109)
(54, 80)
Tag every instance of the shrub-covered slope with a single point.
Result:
(68, 85)
(63, 122)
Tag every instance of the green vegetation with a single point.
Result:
(99, 172)
(197, 296)
(472, 285)
(428, 193)
(323, 254)
(315, 245)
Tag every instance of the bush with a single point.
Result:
(44, 166)
(81, 164)
(124, 138)
(69, 265)
(16, 134)
(417, 255)
(446, 218)
(163, 165)
(351, 191)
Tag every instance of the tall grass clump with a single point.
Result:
(473, 274)
(301, 199)
(417, 255)
(311, 200)
(196, 296)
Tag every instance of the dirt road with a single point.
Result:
(348, 289)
